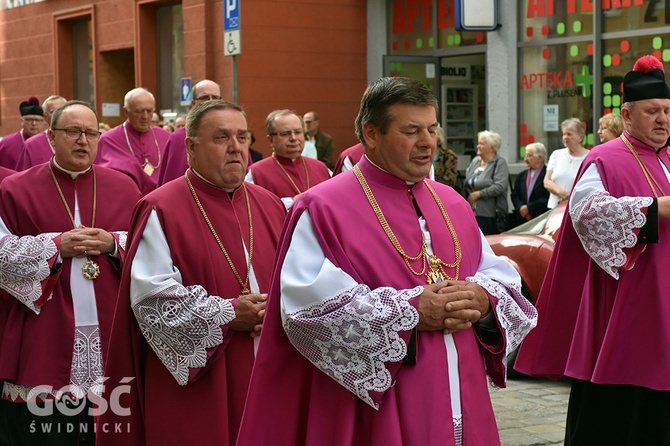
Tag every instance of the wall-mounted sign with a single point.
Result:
(476, 15)
(551, 118)
(111, 109)
(232, 45)
(456, 72)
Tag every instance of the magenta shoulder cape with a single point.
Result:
(37, 349)
(591, 326)
(208, 408)
(291, 402)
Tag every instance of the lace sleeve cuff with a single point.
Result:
(24, 264)
(606, 227)
(350, 336)
(180, 323)
(515, 315)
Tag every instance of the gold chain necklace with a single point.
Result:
(245, 284)
(147, 166)
(90, 270)
(437, 272)
(295, 186)
(645, 170)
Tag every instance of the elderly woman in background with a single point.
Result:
(610, 127)
(564, 163)
(446, 162)
(529, 196)
(486, 181)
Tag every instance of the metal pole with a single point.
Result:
(235, 79)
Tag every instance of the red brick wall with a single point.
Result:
(301, 54)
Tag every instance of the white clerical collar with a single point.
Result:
(227, 189)
(409, 183)
(73, 174)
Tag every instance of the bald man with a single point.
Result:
(175, 162)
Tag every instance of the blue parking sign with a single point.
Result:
(231, 15)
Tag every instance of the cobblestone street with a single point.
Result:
(531, 412)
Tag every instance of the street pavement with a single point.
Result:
(531, 412)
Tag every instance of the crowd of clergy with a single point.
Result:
(136, 264)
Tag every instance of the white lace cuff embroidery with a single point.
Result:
(351, 335)
(605, 225)
(24, 265)
(180, 323)
(515, 314)
(87, 370)
(123, 236)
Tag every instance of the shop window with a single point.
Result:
(418, 26)
(541, 20)
(556, 83)
(170, 44)
(634, 15)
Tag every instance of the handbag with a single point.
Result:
(503, 219)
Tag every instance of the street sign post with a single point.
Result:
(232, 43)
(231, 28)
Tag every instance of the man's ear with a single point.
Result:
(370, 135)
(190, 147)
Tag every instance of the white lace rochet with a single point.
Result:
(351, 335)
(180, 323)
(605, 225)
(24, 265)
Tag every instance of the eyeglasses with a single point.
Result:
(207, 97)
(531, 155)
(287, 133)
(33, 120)
(91, 135)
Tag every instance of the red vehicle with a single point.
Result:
(528, 248)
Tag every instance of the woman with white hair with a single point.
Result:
(529, 195)
(485, 185)
(564, 163)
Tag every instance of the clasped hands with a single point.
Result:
(451, 306)
(249, 313)
(84, 242)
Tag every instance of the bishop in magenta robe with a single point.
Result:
(36, 150)
(129, 151)
(11, 147)
(604, 302)
(344, 353)
(175, 160)
(348, 158)
(44, 300)
(174, 330)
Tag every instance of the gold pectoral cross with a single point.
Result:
(90, 270)
(148, 168)
(436, 272)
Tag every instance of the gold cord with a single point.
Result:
(295, 186)
(437, 265)
(62, 197)
(147, 166)
(245, 284)
(90, 269)
(647, 174)
(457, 245)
